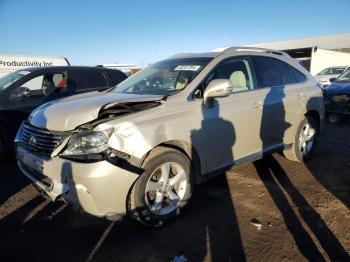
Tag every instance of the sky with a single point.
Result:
(142, 32)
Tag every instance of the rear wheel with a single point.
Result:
(304, 141)
(333, 118)
(163, 189)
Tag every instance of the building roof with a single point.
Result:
(325, 42)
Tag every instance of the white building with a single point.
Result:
(316, 53)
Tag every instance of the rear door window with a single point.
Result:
(54, 83)
(272, 72)
(90, 79)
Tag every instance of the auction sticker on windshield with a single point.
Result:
(187, 68)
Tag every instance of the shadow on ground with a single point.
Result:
(303, 210)
(10, 181)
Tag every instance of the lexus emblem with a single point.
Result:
(32, 141)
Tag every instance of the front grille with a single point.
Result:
(338, 107)
(40, 140)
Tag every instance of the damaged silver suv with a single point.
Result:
(138, 148)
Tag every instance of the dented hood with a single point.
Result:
(68, 113)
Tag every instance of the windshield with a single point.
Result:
(9, 79)
(163, 78)
(344, 77)
(332, 71)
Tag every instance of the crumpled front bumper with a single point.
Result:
(99, 188)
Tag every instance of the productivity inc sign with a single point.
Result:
(10, 64)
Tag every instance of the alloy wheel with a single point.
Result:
(166, 188)
(306, 139)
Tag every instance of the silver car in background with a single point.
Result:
(324, 77)
(139, 148)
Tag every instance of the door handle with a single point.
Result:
(258, 104)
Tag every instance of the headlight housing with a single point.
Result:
(88, 143)
(340, 98)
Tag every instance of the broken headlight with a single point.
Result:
(88, 143)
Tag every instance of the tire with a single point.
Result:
(300, 153)
(333, 118)
(153, 199)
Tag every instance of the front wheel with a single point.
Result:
(304, 141)
(163, 189)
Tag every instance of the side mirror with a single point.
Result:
(216, 88)
(332, 79)
(20, 93)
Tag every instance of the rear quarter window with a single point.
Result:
(298, 76)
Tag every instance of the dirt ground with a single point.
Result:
(270, 210)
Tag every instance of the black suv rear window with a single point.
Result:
(115, 76)
(91, 79)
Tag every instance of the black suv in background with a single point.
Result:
(24, 90)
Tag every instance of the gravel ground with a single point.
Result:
(270, 210)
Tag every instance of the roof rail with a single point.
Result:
(255, 49)
(184, 55)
